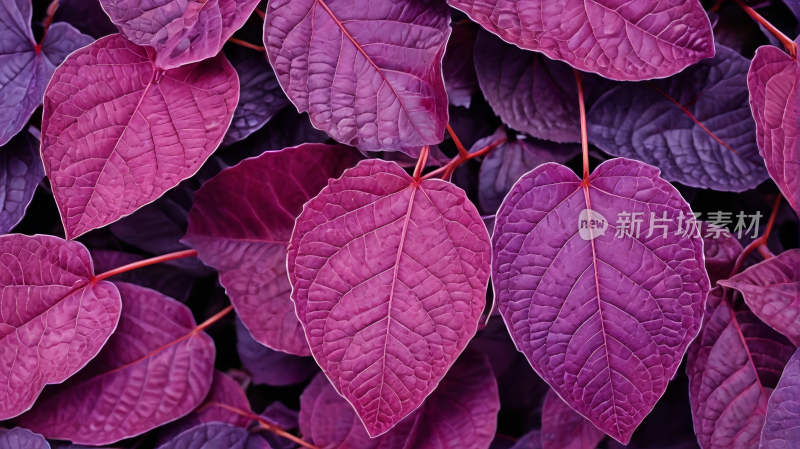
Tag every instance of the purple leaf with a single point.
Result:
(113, 144)
(87, 16)
(512, 159)
(772, 291)
(285, 418)
(166, 277)
(458, 65)
(389, 278)
(772, 81)
(241, 224)
(19, 438)
(179, 32)
(155, 369)
(461, 413)
(531, 440)
(20, 172)
(369, 73)
(564, 428)
(27, 68)
(270, 367)
(604, 320)
(625, 41)
(215, 436)
(720, 252)
(696, 126)
(54, 319)
(733, 366)
(782, 426)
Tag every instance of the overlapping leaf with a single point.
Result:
(695, 126)
(19, 438)
(772, 291)
(216, 436)
(20, 172)
(782, 426)
(458, 65)
(27, 67)
(270, 367)
(564, 428)
(117, 133)
(461, 413)
(721, 251)
(155, 369)
(54, 319)
(180, 32)
(627, 40)
(605, 320)
(241, 224)
(368, 72)
(389, 278)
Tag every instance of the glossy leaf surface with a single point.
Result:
(20, 172)
(179, 32)
(268, 366)
(782, 426)
(460, 79)
(564, 428)
(241, 224)
(54, 320)
(369, 73)
(154, 369)
(772, 291)
(19, 438)
(605, 321)
(389, 279)
(111, 144)
(695, 126)
(621, 40)
(216, 436)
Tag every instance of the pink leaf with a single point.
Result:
(627, 41)
(604, 319)
(227, 391)
(117, 133)
(241, 223)
(368, 72)
(564, 428)
(389, 278)
(155, 369)
(53, 318)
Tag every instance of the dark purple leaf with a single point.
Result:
(695, 126)
(475, 123)
(19, 438)
(270, 367)
(113, 143)
(26, 68)
(461, 413)
(604, 320)
(458, 65)
(155, 369)
(241, 224)
(179, 32)
(531, 440)
(782, 426)
(772, 291)
(167, 277)
(54, 319)
(283, 417)
(216, 436)
(626, 41)
(389, 279)
(564, 428)
(85, 15)
(20, 172)
(369, 73)
(720, 251)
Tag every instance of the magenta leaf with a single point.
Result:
(54, 318)
(155, 369)
(458, 65)
(19, 438)
(216, 435)
(113, 144)
(695, 126)
(20, 172)
(369, 73)
(782, 426)
(605, 320)
(733, 366)
(27, 69)
(389, 278)
(626, 41)
(772, 80)
(564, 428)
(721, 252)
(270, 367)
(180, 32)
(772, 291)
(241, 224)
(461, 413)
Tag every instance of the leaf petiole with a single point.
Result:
(51, 10)
(791, 46)
(263, 423)
(759, 242)
(246, 44)
(144, 263)
(584, 131)
(451, 166)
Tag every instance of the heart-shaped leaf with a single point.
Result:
(19, 438)
(389, 278)
(772, 291)
(720, 251)
(458, 65)
(625, 41)
(28, 67)
(782, 426)
(20, 172)
(773, 80)
(695, 126)
(368, 72)
(54, 320)
(733, 366)
(117, 133)
(461, 413)
(180, 32)
(241, 224)
(156, 368)
(270, 367)
(602, 310)
(564, 428)
(216, 436)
